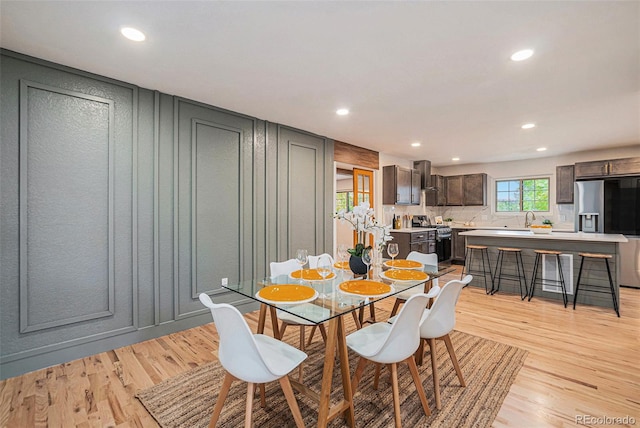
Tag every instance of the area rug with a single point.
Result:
(489, 368)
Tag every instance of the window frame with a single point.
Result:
(350, 197)
(521, 179)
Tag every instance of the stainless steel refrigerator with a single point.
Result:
(613, 206)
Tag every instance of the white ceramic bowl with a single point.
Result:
(541, 230)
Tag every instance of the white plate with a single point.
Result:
(387, 264)
(391, 291)
(288, 302)
(384, 275)
(331, 276)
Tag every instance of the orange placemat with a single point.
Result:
(341, 265)
(287, 293)
(310, 275)
(403, 264)
(405, 275)
(365, 287)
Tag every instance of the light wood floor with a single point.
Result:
(582, 362)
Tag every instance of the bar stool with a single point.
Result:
(486, 268)
(519, 276)
(595, 288)
(536, 265)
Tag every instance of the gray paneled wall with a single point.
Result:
(119, 205)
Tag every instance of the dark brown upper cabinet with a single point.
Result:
(398, 185)
(454, 189)
(475, 189)
(458, 190)
(564, 184)
(607, 168)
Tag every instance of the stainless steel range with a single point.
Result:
(443, 236)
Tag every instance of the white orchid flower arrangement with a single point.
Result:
(363, 221)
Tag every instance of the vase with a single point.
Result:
(357, 266)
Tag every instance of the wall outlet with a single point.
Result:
(225, 281)
(484, 217)
(562, 218)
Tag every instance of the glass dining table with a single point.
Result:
(320, 300)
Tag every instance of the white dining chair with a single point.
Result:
(280, 269)
(384, 343)
(313, 260)
(252, 358)
(425, 259)
(437, 323)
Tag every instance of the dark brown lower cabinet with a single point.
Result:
(423, 242)
(458, 245)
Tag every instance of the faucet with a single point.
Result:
(527, 222)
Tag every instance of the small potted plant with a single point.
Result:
(448, 221)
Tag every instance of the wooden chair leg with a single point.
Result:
(454, 360)
(222, 395)
(274, 323)
(313, 331)
(377, 376)
(302, 340)
(263, 401)
(323, 332)
(291, 400)
(356, 319)
(396, 306)
(355, 380)
(434, 368)
(282, 329)
(372, 312)
(396, 395)
(302, 348)
(413, 368)
(249, 408)
(419, 354)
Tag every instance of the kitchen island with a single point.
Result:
(570, 244)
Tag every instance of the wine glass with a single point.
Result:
(302, 256)
(393, 251)
(367, 256)
(343, 255)
(324, 268)
(342, 252)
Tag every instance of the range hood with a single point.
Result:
(424, 166)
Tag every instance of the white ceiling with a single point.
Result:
(434, 72)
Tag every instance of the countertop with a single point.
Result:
(505, 228)
(425, 229)
(413, 229)
(564, 236)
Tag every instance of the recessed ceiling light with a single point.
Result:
(528, 125)
(455, 159)
(342, 111)
(133, 34)
(541, 149)
(416, 144)
(522, 55)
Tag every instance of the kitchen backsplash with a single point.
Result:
(562, 216)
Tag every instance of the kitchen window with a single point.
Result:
(521, 195)
(344, 201)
